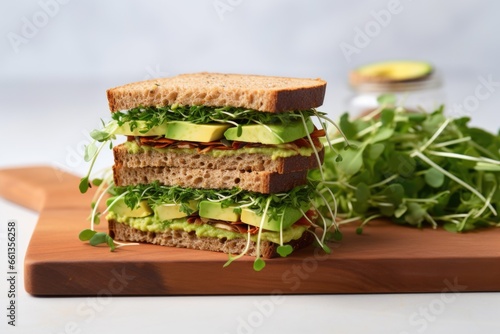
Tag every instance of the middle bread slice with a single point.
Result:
(190, 168)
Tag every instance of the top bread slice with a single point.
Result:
(262, 93)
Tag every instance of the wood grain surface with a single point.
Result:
(386, 258)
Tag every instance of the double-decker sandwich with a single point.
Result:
(215, 162)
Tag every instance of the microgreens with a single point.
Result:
(107, 134)
(259, 263)
(153, 116)
(157, 194)
(105, 185)
(415, 168)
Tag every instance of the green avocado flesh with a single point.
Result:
(399, 70)
(119, 206)
(153, 224)
(275, 151)
(285, 220)
(214, 210)
(270, 134)
(188, 131)
(173, 211)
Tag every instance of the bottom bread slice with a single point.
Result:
(183, 239)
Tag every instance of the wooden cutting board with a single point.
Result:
(386, 258)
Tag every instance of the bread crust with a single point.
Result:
(257, 92)
(182, 239)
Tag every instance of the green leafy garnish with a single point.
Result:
(259, 264)
(284, 250)
(107, 134)
(153, 116)
(415, 168)
(86, 234)
(84, 184)
(100, 238)
(97, 238)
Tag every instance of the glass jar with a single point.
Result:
(425, 93)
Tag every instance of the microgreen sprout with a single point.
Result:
(103, 136)
(91, 235)
(259, 264)
(247, 247)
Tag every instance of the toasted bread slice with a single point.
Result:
(249, 162)
(262, 93)
(262, 182)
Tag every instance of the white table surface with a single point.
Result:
(50, 127)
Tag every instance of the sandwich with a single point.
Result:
(215, 162)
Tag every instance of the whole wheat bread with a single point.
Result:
(182, 239)
(262, 181)
(250, 162)
(262, 93)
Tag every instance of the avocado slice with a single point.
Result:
(173, 210)
(121, 209)
(289, 216)
(214, 210)
(140, 130)
(270, 134)
(182, 130)
(392, 71)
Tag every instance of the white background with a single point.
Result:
(56, 61)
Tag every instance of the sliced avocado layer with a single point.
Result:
(173, 211)
(180, 130)
(120, 208)
(273, 134)
(286, 219)
(214, 210)
(270, 134)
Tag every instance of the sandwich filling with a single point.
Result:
(224, 213)
(221, 214)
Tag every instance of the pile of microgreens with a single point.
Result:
(415, 167)
(268, 205)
